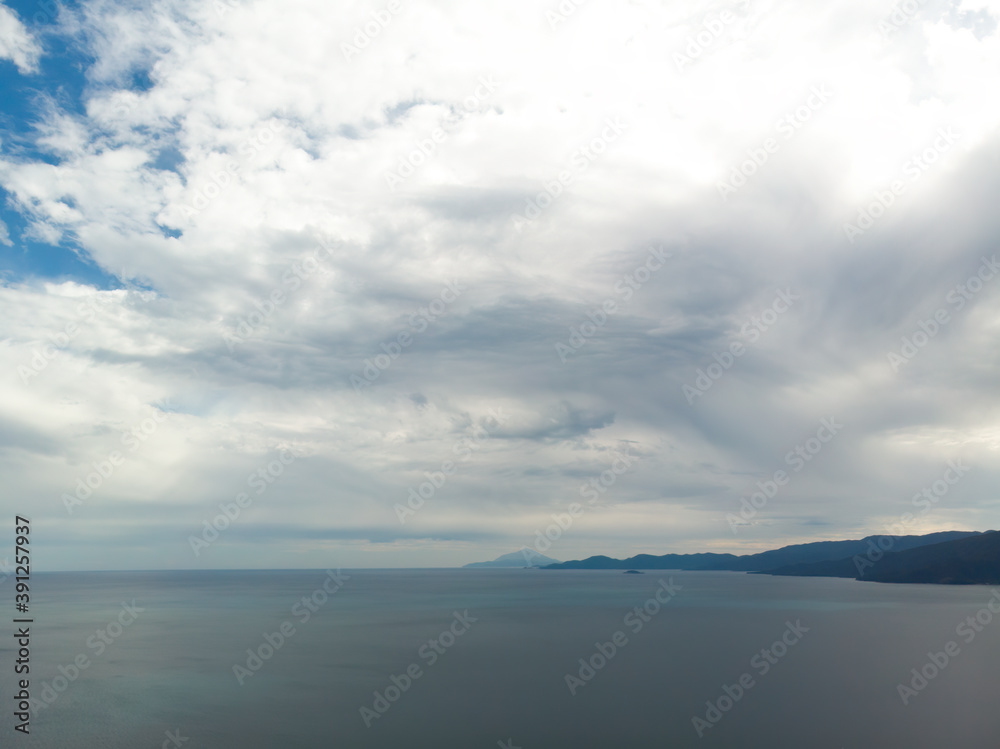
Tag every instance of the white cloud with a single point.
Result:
(256, 138)
(16, 43)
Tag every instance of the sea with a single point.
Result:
(476, 659)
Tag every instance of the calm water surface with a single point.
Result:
(503, 676)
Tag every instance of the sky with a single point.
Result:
(414, 284)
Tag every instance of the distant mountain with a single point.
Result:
(820, 551)
(706, 561)
(973, 560)
(517, 559)
(823, 551)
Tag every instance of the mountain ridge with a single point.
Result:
(523, 557)
(784, 557)
(974, 560)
